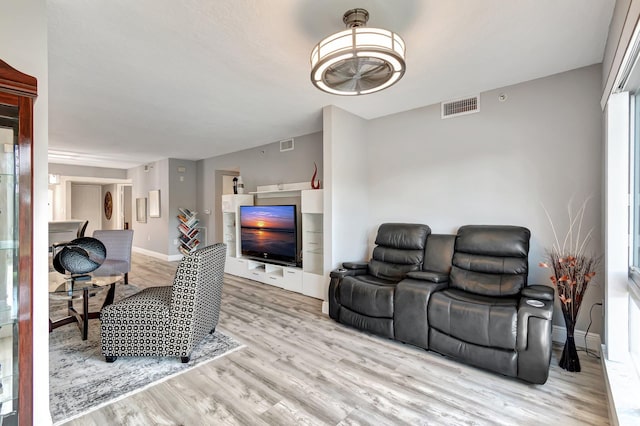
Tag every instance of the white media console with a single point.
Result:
(311, 279)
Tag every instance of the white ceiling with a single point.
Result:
(132, 82)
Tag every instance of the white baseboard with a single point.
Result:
(559, 335)
(325, 307)
(161, 256)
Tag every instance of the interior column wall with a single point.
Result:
(346, 195)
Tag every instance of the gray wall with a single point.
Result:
(182, 193)
(541, 147)
(177, 189)
(263, 165)
(154, 234)
(86, 171)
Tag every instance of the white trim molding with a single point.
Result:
(161, 256)
(594, 343)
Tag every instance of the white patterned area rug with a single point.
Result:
(81, 381)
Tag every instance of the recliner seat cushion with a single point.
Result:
(367, 295)
(481, 320)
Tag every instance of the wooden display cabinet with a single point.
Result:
(17, 94)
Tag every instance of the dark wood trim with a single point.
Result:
(16, 82)
(25, 273)
(9, 111)
(9, 99)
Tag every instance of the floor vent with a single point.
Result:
(286, 145)
(460, 107)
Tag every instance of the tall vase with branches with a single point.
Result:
(573, 270)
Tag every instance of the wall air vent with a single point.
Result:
(458, 107)
(286, 145)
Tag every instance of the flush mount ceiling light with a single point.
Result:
(359, 60)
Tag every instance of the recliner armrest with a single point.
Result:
(355, 265)
(528, 308)
(343, 272)
(434, 277)
(539, 292)
(411, 316)
(350, 269)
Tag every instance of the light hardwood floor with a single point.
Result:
(301, 367)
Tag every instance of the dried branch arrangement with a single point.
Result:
(572, 267)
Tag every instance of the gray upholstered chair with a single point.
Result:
(118, 243)
(171, 320)
(58, 230)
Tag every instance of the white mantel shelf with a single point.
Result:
(281, 190)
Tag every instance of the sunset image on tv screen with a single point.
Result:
(271, 217)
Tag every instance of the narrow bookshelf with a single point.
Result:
(189, 231)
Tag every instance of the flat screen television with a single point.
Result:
(269, 233)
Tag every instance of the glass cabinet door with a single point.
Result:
(17, 94)
(8, 269)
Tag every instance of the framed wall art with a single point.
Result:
(141, 209)
(108, 205)
(154, 203)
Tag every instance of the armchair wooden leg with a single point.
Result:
(184, 359)
(126, 278)
(110, 359)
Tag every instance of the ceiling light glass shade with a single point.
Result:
(358, 61)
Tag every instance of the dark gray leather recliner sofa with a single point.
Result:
(465, 297)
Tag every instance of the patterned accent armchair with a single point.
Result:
(118, 243)
(170, 320)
